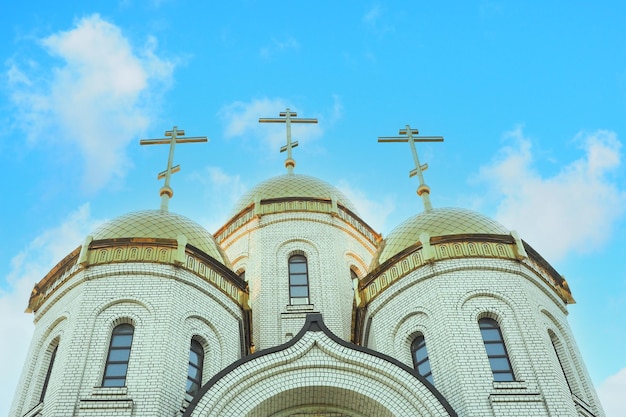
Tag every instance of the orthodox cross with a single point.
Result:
(166, 191)
(287, 118)
(423, 190)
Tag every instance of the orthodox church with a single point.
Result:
(297, 307)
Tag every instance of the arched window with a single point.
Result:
(421, 363)
(353, 275)
(496, 350)
(48, 373)
(119, 354)
(298, 280)
(558, 351)
(194, 370)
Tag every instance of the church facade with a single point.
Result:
(297, 307)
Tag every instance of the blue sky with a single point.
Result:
(530, 97)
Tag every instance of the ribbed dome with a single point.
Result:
(438, 222)
(158, 224)
(292, 185)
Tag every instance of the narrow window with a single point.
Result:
(421, 363)
(557, 346)
(353, 275)
(298, 280)
(119, 353)
(194, 371)
(496, 351)
(48, 373)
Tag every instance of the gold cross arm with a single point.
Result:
(172, 139)
(293, 145)
(286, 118)
(423, 190)
(277, 120)
(162, 174)
(420, 139)
(178, 140)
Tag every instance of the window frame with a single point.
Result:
(353, 274)
(123, 329)
(488, 323)
(199, 367)
(46, 380)
(242, 274)
(419, 342)
(297, 259)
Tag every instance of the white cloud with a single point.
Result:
(27, 268)
(374, 212)
(98, 100)
(611, 393)
(374, 18)
(372, 15)
(279, 45)
(571, 211)
(242, 120)
(221, 192)
(337, 111)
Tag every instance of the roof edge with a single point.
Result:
(315, 323)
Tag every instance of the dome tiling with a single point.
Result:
(293, 185)
(438, 222)
(160, 224)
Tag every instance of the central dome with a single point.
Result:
(293, 185)
(160, 224)
(438, 222)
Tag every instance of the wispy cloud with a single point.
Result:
(221, 192)
(371, 15)
(27, 268)
(337, 110)
(611, 393)
(275, 46)
(241, 120)
(375, 211)
(374, 18)
(571, 211)
(98, 99)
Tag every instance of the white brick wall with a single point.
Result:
(444, 302)
(331, 246)
(317, 374)
(167, 306)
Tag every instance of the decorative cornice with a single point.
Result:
(459, 247)
(61, 272)
(298, 204)
(160, 251)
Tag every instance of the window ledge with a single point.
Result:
(516, 397)
(109, 391)
(513, 391)
(35, 411)
(106, 404)
(583, 408)
(300, 307)
(109, 398)
(509, 385)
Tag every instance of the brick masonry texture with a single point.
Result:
(312, 373)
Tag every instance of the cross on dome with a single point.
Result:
(166, 191)
(423, 190)
(288, 117)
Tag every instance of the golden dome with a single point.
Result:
(437, 222)
(293, 185)
(159, 224)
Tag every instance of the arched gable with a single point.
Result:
(316, 370)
